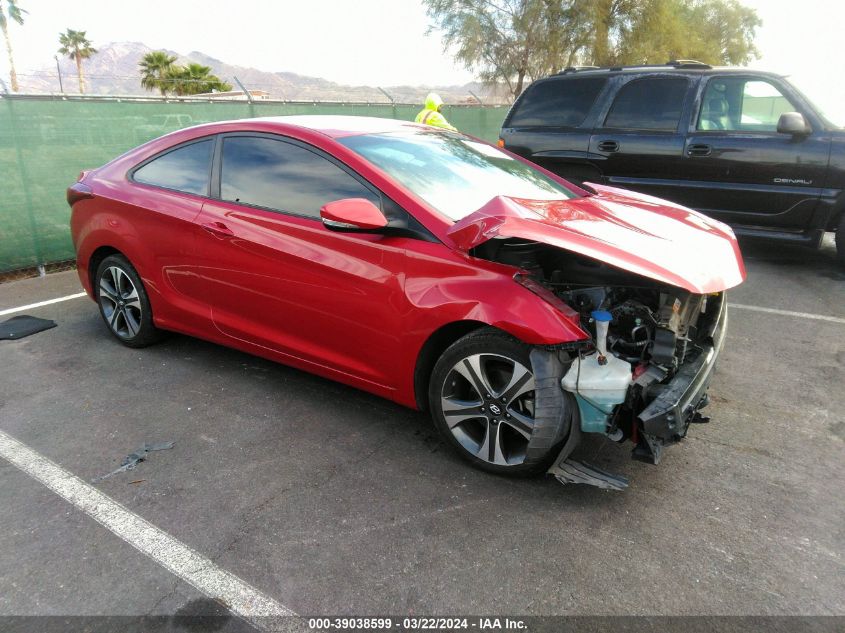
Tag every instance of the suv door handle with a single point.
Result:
(609, 146)
(699, 149)
(218, 229)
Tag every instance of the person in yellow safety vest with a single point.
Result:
(430, 114)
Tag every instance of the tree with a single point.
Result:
(509, 41)
(11, 11)
(77, 47)
(654, 31)
(195, 79)
(156, 67)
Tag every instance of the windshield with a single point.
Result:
(827, 98)
(452, 173)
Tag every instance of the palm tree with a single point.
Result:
(156, 68)
(76, 46)
(11, 12)
(195, 79)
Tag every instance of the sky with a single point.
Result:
(374, 42)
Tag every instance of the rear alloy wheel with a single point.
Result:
(123, 303)
(482, 397)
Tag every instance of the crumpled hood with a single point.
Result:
(635, 232)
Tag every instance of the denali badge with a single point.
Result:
(792, 181)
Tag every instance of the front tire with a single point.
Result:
(124, 304)
(840, 241)
(482, 401)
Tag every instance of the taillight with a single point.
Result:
(78, 191)
(500, 142)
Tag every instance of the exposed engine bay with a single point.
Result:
(643, 334)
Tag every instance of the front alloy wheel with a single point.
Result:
(488, 403)
(484, 401)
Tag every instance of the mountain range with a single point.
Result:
(113, 70)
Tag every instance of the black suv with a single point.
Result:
(740, 145)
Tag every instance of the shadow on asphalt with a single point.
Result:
(342, 405)
(793, 257)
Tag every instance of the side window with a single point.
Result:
(648, 104)
(557, 102)
(186, 168)
(281, 176)
(742, 104)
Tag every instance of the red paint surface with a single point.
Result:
(358, 307)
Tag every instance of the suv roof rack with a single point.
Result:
(575, 69)
(688, 63)
(672, 63)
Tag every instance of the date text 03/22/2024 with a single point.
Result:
(416, 624)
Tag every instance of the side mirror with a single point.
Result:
(352, 214)
(793, 123)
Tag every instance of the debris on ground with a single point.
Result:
(134, 458)
(570, 471)
(23, 325)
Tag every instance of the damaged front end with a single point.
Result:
(645, 374)
(646, 377)
(656, 329)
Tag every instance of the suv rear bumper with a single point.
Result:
(668, 416)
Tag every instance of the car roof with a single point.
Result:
(338, 126)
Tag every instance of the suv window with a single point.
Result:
(648, 104)
(557, 103)
(742, 104)
(185, 168)
(281, 176)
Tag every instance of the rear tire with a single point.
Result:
(124, 304)
(482, 397)
(840, 241)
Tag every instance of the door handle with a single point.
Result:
(218, 229)
(609, 146)
(699, 149)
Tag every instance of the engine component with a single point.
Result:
(602, 319)
(599, 381)
(663, 348)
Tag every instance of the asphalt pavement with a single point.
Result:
(331, 501)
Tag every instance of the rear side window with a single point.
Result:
(648, 104)
(557, 103)
(281, 176)
(185, 168)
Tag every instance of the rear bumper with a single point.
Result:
(668, 416)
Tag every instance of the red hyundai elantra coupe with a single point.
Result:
(424, 266)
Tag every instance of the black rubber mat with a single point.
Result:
(23, 325)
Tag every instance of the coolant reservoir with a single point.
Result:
(599, 381)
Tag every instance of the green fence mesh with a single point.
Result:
(45, 143)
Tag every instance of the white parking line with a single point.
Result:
(41, 303)
(801, 315)
(192, 567)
